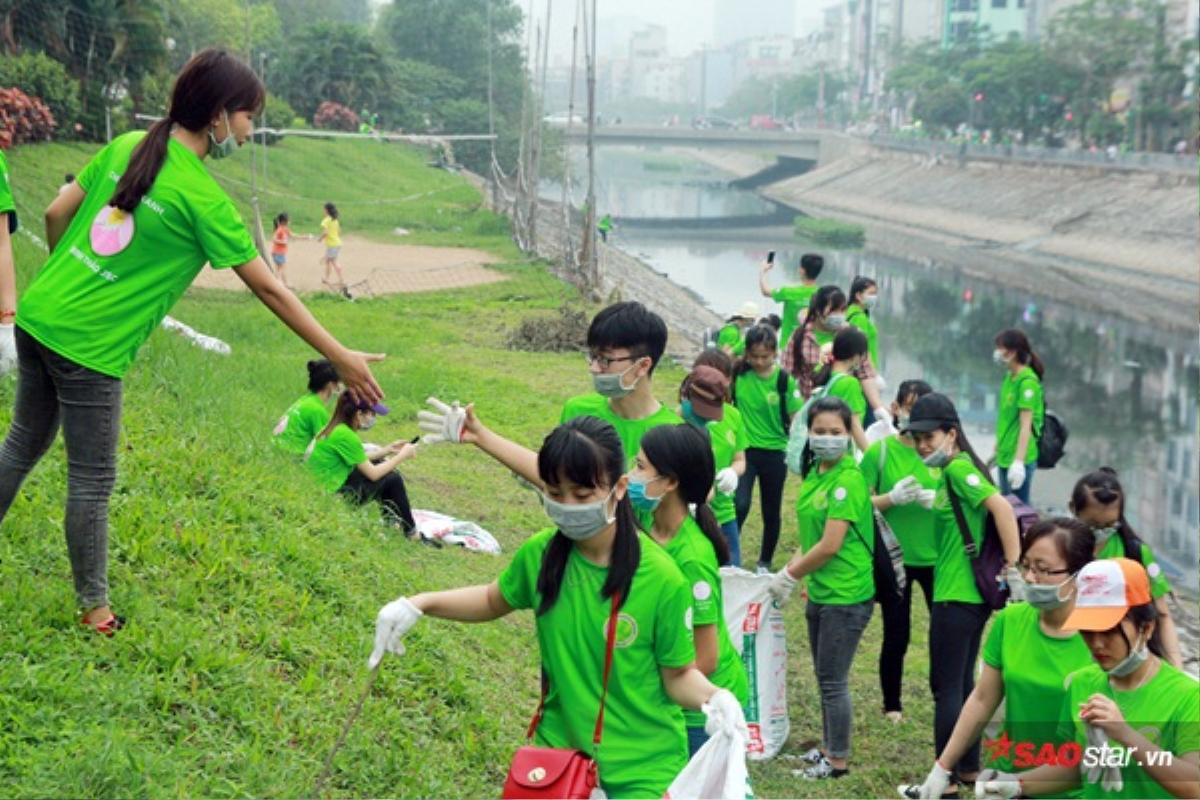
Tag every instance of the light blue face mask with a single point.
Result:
(690, 416)
(638, 497)
(937, 459)
(611, 384)
(1046, 597)
(1130, 663)
(1104, 534)
(225, 147)
(579, 521)
(828, 448)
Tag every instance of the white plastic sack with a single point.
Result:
(755, 625)
(716, 772)
(448, 530)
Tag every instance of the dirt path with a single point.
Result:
(375, 268)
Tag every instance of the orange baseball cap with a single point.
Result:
(1105, 591)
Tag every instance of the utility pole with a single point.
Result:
(569, 256)
(589, 221)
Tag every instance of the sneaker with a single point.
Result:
(912, 791)
(105, 627)
(894, 716)
(812, 756)
(821, 770)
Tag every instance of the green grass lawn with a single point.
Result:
(252, 595)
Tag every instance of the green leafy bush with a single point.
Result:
(830, 232)
(40, 76)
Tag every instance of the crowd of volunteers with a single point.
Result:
(646, 503)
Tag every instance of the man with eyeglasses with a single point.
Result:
(625, 342)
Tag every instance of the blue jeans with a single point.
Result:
(696, 739)
(1023, 492)
(734, 538)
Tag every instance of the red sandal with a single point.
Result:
(107, 627)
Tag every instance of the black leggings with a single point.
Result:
(388, 490)
(771, 470)
(954, 632)
(897, 624)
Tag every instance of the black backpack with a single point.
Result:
(781, 388)
(1052, 444)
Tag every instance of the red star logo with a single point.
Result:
(998, 748)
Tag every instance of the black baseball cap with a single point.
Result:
(931, 412)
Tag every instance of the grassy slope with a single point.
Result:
(252, 596)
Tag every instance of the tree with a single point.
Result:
(333, 61)
(197, 24)
(295, 15)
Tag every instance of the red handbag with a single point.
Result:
(556, 772)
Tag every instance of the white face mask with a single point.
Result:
(579, 521)
(1128, 665)
(1047, 597)
(870, 300)
(828, 448)
(999, 357)
(225, 147)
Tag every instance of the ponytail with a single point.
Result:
(827, 298)
(683, 453)
(144, 164)
(707, 521)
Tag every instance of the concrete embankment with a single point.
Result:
(1119, 241)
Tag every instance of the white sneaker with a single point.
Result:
(762, 569)
(812, 756)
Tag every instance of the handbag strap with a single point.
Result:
(969, 546)
(882, 462)
(610, 642)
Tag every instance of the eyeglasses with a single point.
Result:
(1040, 572)
(607, 361)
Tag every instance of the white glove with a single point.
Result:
(879, 429)
(781, 586)
(926, 499)
(8, 349)
(935, 785)
(1109, 778)
(1016, 583)
(1016, 475)
(882, 414)
(394, 620)
(906, 491)
(444, 424)
(727, 481)
(724, 715)
(880, 382)
(995, 785)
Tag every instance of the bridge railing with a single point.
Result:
(1139, 161)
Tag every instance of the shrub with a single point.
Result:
(23, 118)
(40, 76)
(830, 232)
(333, 116)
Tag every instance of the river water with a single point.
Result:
(1127, 391)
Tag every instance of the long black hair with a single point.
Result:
(320, 373)
(756, 335)
(824, 300)
(1141, 617)
(827, 404)
(683, 453)
(1018, 342)
(588, 452)
(847, 344)
(859, 285)
(1102, 486)
(1074, 541)
(211, 82)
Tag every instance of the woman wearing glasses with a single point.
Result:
(1025, 657)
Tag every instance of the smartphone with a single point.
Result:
(415, 439)
(771, 257)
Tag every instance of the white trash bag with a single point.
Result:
(755, 625)
(716, 772)
(448, 530)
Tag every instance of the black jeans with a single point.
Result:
(51, 391)
(954, 632)
(769, 467)
(388, 490)
(897, 625)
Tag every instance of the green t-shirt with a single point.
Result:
(631, 431)
(839, 493)
(1018, 393)
(850, 390)
(114, 276)
(795, 299)
(758, 399)
(307, 417)
(1164, 710)
(644, 743)
(858, 316)
(334, 456)
(1115, 548)
(730, 336)
(7, 204)
(728, 438)
(952, 576)
(693, 553)
(912, 524)
(1034, 667)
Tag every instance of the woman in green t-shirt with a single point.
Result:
(1020, 412)
(837, 538)
(1130, 722)
(574, 576)
(126, 240)
(864, 294)
(836, 379)
(674, 473)
(1098, 500)
(959, 612)
(1025, 658)
(340, 463)
(306, 417)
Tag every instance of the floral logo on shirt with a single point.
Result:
(820, 500)
(627, 630)
(112, 231)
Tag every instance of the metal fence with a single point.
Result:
(1134, 161)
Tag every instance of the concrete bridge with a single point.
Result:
(804, 145)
